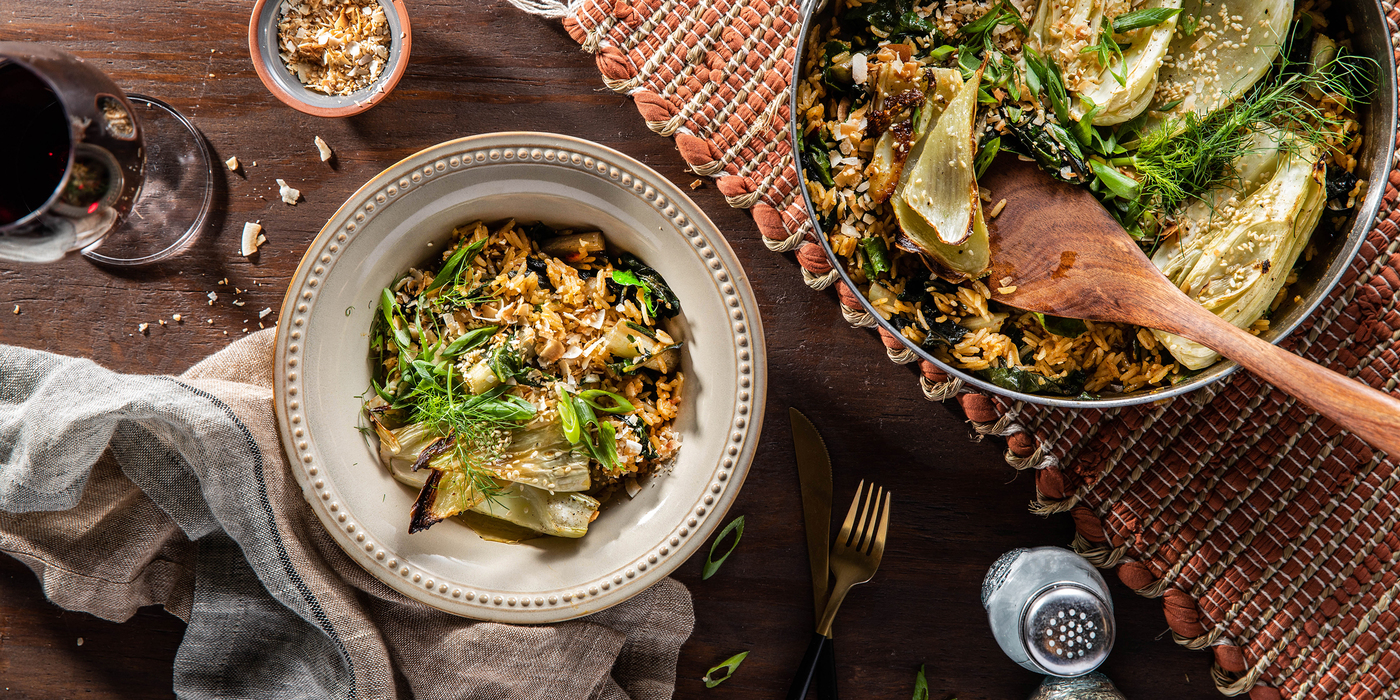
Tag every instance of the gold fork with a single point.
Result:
(854, 558)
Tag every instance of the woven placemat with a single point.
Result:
(1268, 532)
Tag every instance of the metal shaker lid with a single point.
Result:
(1067, 630)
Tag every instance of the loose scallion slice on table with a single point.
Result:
(712, 564)
(920, 685)
(729, 666)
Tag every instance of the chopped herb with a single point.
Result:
(920, 685)
(711, 564)
(729, 666)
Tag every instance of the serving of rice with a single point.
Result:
(551, 297)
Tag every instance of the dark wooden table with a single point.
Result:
(480, 66)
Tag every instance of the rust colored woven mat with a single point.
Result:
(1269, 534)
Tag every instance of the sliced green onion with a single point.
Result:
(470, 340)
(450, 269)
(1117, 183)
(711, 564)
(1084, 128)
(988, 154)
(642, 329)
(622, 405)
(1146, 17)
(920, 685)
(568, 417)
(607, 445)
(729, 666)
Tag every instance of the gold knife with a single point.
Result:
(814, 474)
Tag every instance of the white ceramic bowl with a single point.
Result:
(322, 364)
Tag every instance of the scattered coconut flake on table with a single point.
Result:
(252, 238)
(323, 148)
(289, 194)
(213, 297)
(142, 328)
(264, 312)
(232, 163)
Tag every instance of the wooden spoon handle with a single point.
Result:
(1369, 414)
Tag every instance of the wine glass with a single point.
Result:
(125, 179)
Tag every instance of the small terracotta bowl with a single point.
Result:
(284, 85)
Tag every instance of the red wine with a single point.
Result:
(34, 142)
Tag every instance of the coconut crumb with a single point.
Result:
(232, 163)
(252, 238)
(16, 309)
(323, 148)
(178, 318)
(142, 328)
(264, 312)
(289, 194)
(213, 297)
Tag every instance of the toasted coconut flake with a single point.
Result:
(252, 238)
(289, 194)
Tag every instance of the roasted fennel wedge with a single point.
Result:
(937, 203)
(538, 454)
(1235, 247)
(443, 495)
(1223, 48)
(1115, 75)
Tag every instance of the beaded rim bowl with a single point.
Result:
(1316, 280)
(396, 221)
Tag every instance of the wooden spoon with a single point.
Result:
(1067, 256)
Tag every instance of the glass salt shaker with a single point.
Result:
(1050, 611)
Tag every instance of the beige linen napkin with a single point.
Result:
(127, 490)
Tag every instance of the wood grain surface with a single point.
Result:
(481, 66)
